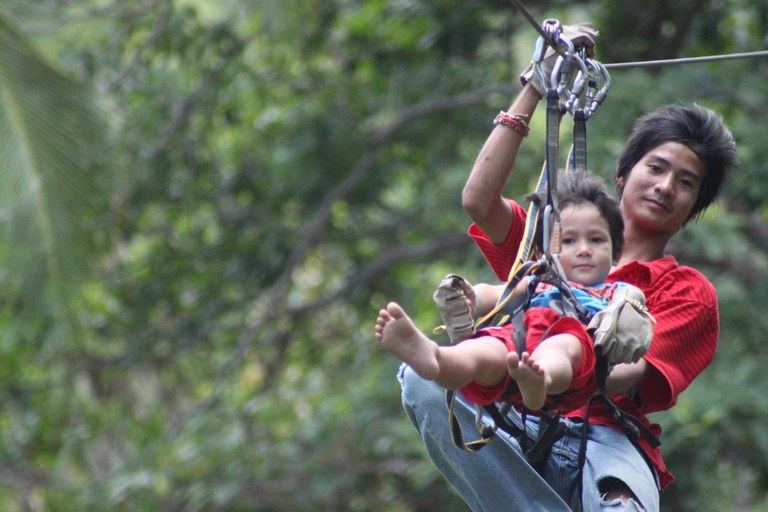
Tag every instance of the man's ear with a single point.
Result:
(620, 182)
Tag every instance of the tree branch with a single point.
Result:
(364, 165)
(272, 303)
(154, 35)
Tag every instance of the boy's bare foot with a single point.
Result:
(530, 379)
(398, 334)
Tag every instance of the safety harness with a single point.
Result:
(572, 74)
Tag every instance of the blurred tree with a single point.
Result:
(50, 136)
(278, 171)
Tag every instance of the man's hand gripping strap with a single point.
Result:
(624, 329)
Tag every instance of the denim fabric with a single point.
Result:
(499, 478)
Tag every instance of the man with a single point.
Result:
(674, 165)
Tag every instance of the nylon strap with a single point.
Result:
(553, 144)
(579, 149)
(486, 433)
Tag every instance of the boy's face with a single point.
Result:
(587, 250)
(661, 189)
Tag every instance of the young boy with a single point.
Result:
(559, 354)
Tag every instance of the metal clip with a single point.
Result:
(579, 84)
(598, 98)
(552, 236)
(563, 67)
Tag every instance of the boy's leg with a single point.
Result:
(479, 359)
(548, 370)
(495, 478)
(398, 334)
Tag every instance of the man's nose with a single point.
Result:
(665, 185)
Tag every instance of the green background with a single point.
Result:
(203, 205)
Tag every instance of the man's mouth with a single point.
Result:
(661, 204)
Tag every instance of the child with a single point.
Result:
(559, 354)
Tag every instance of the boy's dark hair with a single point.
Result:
(582, 187)
(698, 128)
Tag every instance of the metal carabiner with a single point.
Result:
(563, 67)
(596, 97)
(552, 29)
(551, 235)
(479, 425)
(603, 92)
(538, 57)
(553, 256)
(579, 83)
(592, 81)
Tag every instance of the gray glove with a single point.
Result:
(624, 329)
(455, 299)
(581, 35)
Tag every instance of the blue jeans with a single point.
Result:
(498, 477)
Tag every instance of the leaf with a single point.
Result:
(50, 130)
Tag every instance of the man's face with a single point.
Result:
(661, 189)
(587, 251)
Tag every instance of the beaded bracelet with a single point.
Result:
(513, 121)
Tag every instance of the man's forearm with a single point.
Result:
(482, 195)
(624, 377)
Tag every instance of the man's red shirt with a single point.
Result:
(684, 304)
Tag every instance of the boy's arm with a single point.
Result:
(487, 295)
(461, 304)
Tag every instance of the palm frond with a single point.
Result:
(50, 130)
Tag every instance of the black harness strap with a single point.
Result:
(579, 140)
(554, 115)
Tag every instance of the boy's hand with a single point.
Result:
(624, 329)
(455, 299)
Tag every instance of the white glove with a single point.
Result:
(581, 35)
(624, 329)
(455, 299)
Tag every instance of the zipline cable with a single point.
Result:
(640, 64)
(687, 60)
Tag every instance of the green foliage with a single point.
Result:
(50, 131)
(269, 175)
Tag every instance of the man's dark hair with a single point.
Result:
(582, 187)
(698, 128)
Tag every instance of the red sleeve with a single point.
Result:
(481, 395)
(501, 257)
(684, 305)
